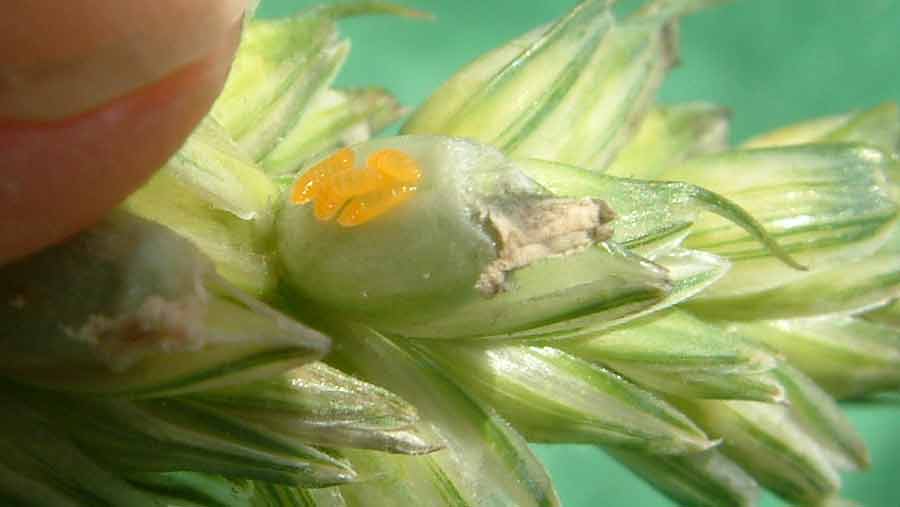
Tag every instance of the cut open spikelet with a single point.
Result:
(487, 251)
(128, 307)
(471, 244)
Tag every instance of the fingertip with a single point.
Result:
(61, 176)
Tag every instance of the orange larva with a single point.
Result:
(309, 185)
(358, 194)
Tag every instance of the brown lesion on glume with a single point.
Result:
(540, 228)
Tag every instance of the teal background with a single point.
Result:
(771, 62)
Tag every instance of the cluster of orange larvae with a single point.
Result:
(357, 194)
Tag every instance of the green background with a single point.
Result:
(770, 61)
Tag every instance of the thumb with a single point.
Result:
(93, 99)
